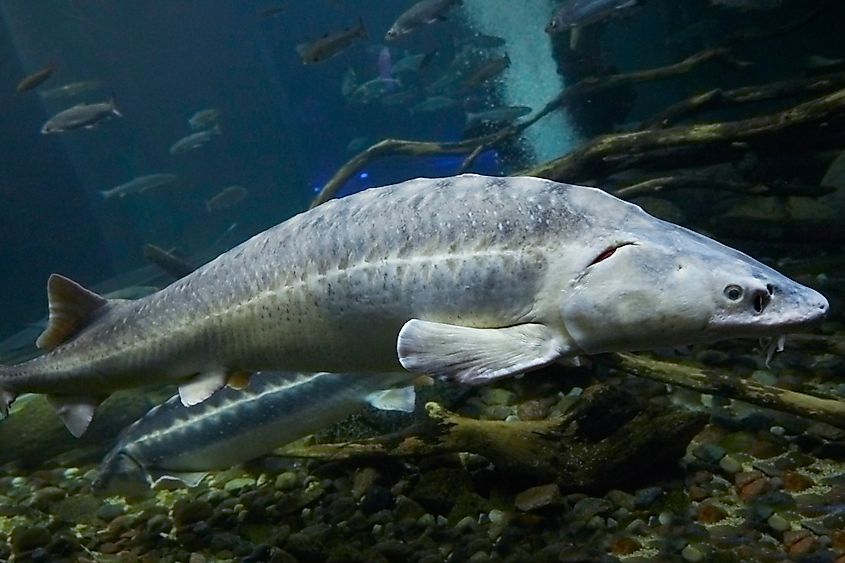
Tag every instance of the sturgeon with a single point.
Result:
(469, 277)
(173, 442)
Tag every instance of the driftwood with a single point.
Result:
(475, 146)
(713, 182)
(720, 99)
(721, 382)
(610, 153)
(608, 439)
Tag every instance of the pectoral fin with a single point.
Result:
(201, 387)
(401, 399)
(476, 355)
(76, 412)
(173, 480)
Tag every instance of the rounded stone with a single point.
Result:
(27, 538)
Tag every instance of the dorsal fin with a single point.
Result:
(70, 306)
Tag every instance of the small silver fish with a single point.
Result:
(330, 44)
(177, 443)
(203, 119)
(71, 89)
(195, 140)
(578, 13)
(504, 114)
(422, 13)
(226, 198)
(80, 116)
(138, 185)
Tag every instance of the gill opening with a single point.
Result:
(608, 252)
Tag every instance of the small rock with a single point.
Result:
(363, 480)
(466, 523)
(27, 538)
(692, 553)
(538, 497)
(794, 482)
(750, 484)
(287, 481)
(798, 542)
(376, 498)
(646, 497)
(587, 508)
(47, 496)
(624, 545)
(109, 511)
(236, 485)
(778, 523)
(534, 409)
(711, 453)
(196, 558)
(159, 524)
(187, 512)
(407, 510)
(730, 464)
(710, 514)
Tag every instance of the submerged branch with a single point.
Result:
(719, 99)
(723, 383)
(608, 153)
(713, 182)
(476, 145)
(607, 439)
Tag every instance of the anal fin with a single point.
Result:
(76, 412)
(476, 355)
(201, 387)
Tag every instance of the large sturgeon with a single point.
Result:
(470, 277)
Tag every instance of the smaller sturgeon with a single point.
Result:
(173, 442)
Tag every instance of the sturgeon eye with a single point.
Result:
(733, 292)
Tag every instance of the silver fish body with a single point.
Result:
(469, 277)
(422, 13)
(80, 116)
(139, 184)
(235, 426)
(578, 13)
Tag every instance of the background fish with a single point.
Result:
(175, 442)
(422, 13)
(80, 116)
(226, 198)
(195, 140)
(138, 185)
(35, 79)
(330, 44)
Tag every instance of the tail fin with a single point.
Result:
(113, 104)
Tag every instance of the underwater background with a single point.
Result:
(219, 100)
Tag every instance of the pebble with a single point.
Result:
(730, 464)
(187, 512)
(692, 553)
(538, 497)
(287, 481)
(778, 523)
(237, 485)
(27, 538)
